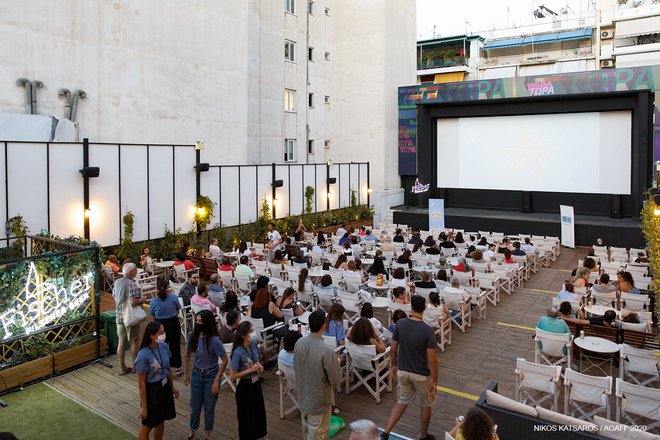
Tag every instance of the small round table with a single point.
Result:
(379, 289)
(596, 345)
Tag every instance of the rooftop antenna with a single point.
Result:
(434, 31)
(466, 26)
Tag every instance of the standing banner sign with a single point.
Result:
(567, 226)
(436, 214)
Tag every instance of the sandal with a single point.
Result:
(126, 371)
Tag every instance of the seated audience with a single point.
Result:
(226, 266)
(199, 252)
(202, 298)
(528, 247)
(285, 356)
(567, 293)
(341, 262)
(288, 301)
(189, 288)
(370, 237)
(551, 322)
(468, 252)
(396, 315)
(216, 290)
(435, 310)
(417, 250)
(227, 332)
(603, 285)
(508, 259)
(112, 263)
(262, 283)
(516, 249)
(416, 239)
(442, 263)
(404, 258)
(477, 425)
(334, 323)
(243, 269)
(278, 258)
(432, 248)
(398, 236)
(345, 238)
(399, 278)
(459, 238)
(462, 266)
(626, 282)
(347, 248)
(231, 303)
(304, 283)
(243, 249)
(326, 282)
(455, 289)
(378, 267)
(400, 295)
(581, 278)
(182, 259)
(489, 254)
(445, 243)
(441, 280)
(367, 312)
(607, 320)
(425, 281)
(590, 264)
(146, 261)
(264, 308)
(299, 258)
(641, 258)
(363, 333)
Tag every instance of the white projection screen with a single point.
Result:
(565, 152)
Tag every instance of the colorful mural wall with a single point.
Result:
(599, 81)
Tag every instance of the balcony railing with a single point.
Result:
(443, 62)
(558, 55)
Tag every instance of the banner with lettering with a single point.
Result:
(567, 226)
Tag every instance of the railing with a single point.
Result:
(530, 58)
(444, 62)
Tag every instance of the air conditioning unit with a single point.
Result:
(606, 35)
(604, 64)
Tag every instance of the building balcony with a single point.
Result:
(442, 62)
(539, 57)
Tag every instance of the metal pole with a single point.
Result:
(327, 187)
(273, 190)
(86, 233)
(198, 185)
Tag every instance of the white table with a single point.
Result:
(379, 289)
(380, 302)
(164, 264)
(600, 311)
(596, 345)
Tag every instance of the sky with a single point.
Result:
(450, 16)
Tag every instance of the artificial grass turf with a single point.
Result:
(39, 412)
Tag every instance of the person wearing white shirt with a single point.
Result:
(341, 231)
(455, 289)
(214, 249)
(528, 247)
(490, 253)
(274, 238)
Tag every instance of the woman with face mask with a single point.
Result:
(155, 382)
(207, 348)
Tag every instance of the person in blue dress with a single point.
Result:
(165, 308)
(246, 366)
(155, 382)
(205, 344)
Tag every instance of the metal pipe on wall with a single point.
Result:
(68, 98)
(34, 85)
(77, 95)
(27, 85)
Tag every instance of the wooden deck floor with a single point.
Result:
(486, 352)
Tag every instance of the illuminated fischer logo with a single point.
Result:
(45, 301)
(420, 187)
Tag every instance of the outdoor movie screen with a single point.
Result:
(566, 152)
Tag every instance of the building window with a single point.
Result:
(310, 7)
(290, 6)
(289, 100)
(327, 144)
(310, 53)
(289, 148)
(310, 147)
(327, 56)
(310, 100)
(327, 99)
(289, 51)
(327, 11)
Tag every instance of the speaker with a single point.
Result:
(278, 183)
(332, 180)
(89, 172)
(202, 167)
(615, 206)
(526, 201)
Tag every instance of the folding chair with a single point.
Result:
(581, 390)
(441, 325)
(181, 274)
(392, 307)
(307, 298)
(287, 381)
(264, 335)
(636, 362)
(325, 297)
(462, 315)
(260, 267)
(352, 281)
(634, 302)
(147, 285)
(351, 303)
(232, 383)
(227, 277)
(553, 348)
(603, 299)
(279, 285)
(109, 278)
(522, 262)
(490, 285)
(640, 401)
(424, 292)
(534, 379)
(276, 270)
(365, 364)
(243, 283)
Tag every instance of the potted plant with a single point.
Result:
(33, 362)
(73, 352)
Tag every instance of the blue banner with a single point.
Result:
(436, 214)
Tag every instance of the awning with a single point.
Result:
(449, 77)
(579, 34)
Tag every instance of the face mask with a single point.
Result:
(198, 327)
(161, 338)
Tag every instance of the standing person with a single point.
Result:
(317, 373)
(415, 365)
(206, 374)
(274, 238)
(246, 366)
(155, 382)
(165, 308)
(300, 230)
(126, 289)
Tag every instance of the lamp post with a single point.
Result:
(87, 173)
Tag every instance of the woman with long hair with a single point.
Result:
(243, 249)
(404, 258)
(508, 259)
(363, 333)
(378, 266)
(341, 262)
(334, 323)
(155, 382)
(165, 308)
(146, 260)
(288, 301)
(626, 282)
(231, 302)
(304, 283)
(205, 344)
(581, 277)
(246, 366)
(367, 311)
(477, 425)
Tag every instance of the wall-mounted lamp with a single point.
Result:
(200, 211)
(199, 145)
(90, 172)
(330, 162)
(332, 180)
(277, 183)
(369, 190)
(329, 194)
(88, 213)
(202, 167)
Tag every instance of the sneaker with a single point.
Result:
(428, 437)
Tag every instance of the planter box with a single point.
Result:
(27, 372)
(78, 355)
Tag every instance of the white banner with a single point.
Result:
(567, 226)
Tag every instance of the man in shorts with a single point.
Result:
(126, 289)
(415, 365)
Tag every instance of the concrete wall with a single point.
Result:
(367, 69)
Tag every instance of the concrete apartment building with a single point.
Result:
(259, 81)
(607, 34)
